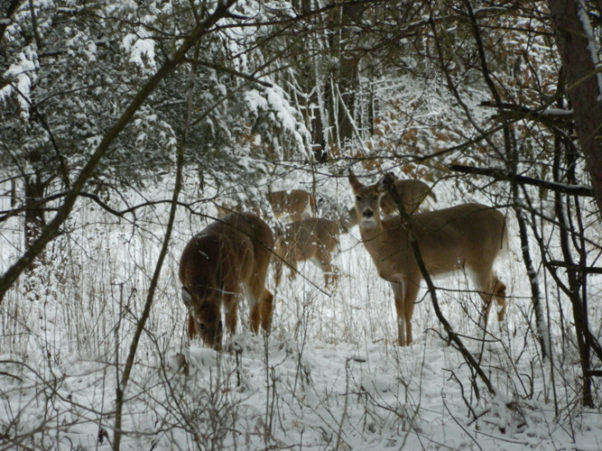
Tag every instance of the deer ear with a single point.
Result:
(186, 297)
(386, 181)
(354, 182)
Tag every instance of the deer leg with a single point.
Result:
(399, 294)
(331, 275)
(266, 307)
(491, 288)
(486, 297)
(254, 316)
(329, 270)
(192, 328)
(405, 292)
(292, 275)
(260, 303)
(499, 294)
(277, 270)
(411, 291)
(231, 304)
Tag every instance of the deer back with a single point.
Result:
(221, 258)
(468, 235)
(297, 204)
(303, 239)
(229, 207)
(411, 193)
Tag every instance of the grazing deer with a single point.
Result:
(313, 239)
(227, 259)
(465, 237)
(295, 204)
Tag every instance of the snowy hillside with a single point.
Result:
(330, 375)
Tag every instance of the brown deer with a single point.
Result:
(464, 237)
(227, 259)
(295, 204)
(313, 239)
(412, 194)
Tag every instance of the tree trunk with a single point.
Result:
(34, 211)
(342, 44)
(577, 50)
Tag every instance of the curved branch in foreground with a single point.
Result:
(52, 229)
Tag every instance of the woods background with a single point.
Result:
(128, 122)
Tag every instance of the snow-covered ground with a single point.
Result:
(330, 375)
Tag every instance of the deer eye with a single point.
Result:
(358, 198)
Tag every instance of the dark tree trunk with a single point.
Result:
(342, 46)
(582, 83)
(34, 212)
(576, 46)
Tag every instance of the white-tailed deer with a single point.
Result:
(412, 194)
(313, 239)
(227, 259)
(295, 204)
(466, 237)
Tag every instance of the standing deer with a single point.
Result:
(313, 239)
(295, 204)
(465, 237)
(225, 260)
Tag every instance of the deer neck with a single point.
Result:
(386, 242)
(372, 232)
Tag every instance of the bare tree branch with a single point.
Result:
(503, 174)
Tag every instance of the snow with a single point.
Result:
(273, 100)
(21, 75)
(330, 374)
(141, 49)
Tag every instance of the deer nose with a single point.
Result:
(367, 213)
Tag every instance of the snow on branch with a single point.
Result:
(550, 117)
(502, 174)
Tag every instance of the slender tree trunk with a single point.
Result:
(34, 212)
(129, 363)
(346, 73)
(578, 52)
(348, 85)
(577, 49)
(320, 135)
(34, 222)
